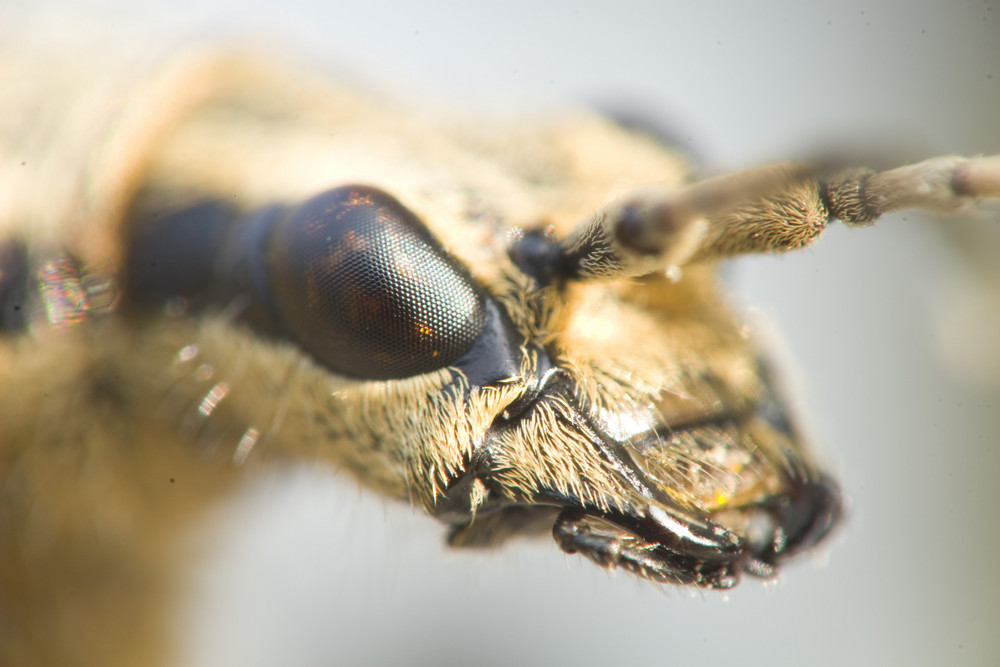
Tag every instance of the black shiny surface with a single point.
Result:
(362, 285)
(172, 253)
(13, 287)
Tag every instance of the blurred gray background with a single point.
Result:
(893, 332)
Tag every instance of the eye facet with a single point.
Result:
(361, 284)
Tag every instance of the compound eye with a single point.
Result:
(362, 285)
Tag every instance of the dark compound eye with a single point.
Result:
(351, 275)
(362, 285)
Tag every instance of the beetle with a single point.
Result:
(521, 331)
